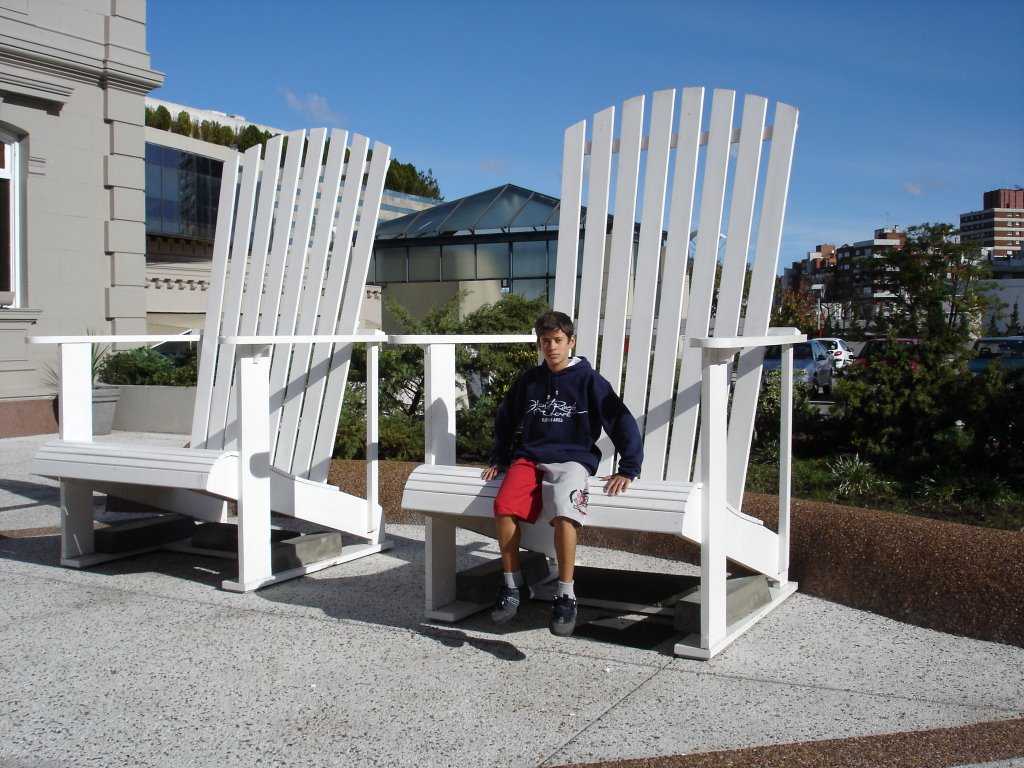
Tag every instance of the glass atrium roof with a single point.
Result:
(503, 209)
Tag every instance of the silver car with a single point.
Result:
(812, 364)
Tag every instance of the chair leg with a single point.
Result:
(439, 539)
(76, 524)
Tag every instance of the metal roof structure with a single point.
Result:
(503, 209)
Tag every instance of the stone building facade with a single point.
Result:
(73, 78)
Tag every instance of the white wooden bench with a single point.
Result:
(695, 345)
(287, 279)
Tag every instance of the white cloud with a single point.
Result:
(494, 165)
(913, 188)
(313, 108)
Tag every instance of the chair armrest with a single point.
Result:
(367, 337)
(115, 339)
(776, 336)
(426, 340)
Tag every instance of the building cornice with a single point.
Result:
(44, 66)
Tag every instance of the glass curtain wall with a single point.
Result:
(182, 191)
(526, 268)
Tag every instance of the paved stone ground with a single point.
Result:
(954, 578)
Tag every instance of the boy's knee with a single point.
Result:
(503, 509)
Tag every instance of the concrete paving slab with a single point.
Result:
(145, 661)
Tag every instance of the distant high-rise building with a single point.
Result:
(999, 226)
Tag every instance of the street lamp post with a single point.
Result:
(819, 288)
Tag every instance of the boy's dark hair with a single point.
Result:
(554, 321)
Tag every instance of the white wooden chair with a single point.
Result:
(284, 297)
(703, 181)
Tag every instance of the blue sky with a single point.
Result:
(908, 111)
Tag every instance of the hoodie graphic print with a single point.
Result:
(562, 414)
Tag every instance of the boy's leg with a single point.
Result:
(565, 497)
(507, 527)
(565, 548)
(518, 499)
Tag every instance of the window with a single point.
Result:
(424, 263)
(389, 265)
(182, 192)
(492, 261)
(530, 259)
(458, 262)
(10, 199)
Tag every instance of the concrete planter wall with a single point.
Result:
(104, 408)
(155, 409)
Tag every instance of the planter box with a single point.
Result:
(155, 409)
(104, 408)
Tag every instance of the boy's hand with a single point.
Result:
(616, 484)
(492, 472)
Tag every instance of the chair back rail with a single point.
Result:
(284, 264)
(710, 208)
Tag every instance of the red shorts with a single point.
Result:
(545, 491)
(520, 493)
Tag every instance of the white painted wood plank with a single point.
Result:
(648, 258)
(702, 283)
(348, 320)
(294, 272)
(221, 416)
(214, 303)
(265, 210)
(278, 259)
(674, 285)
(620, 256)
(309, 307)
(313, 418)
(741, 217)
(567, 261)
(598, 193)
(758, 309)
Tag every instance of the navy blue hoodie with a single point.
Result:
(562, 415)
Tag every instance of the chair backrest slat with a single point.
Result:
(229, 286)
(569, 213)
(694, 230)
(214, 303)
(758, 310)
(674, 285)
(648, 258)
(702, 283)
(295, 272)
(348, 319)
(588, 320)
(308, 309)
(282, 266)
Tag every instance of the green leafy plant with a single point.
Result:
(147, 366)
(857, 479)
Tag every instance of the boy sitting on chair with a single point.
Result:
(562, 405)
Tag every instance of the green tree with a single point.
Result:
(226, 135)
(1013, 327)
(250, 136)
(796, 310)
(162, 118)
(939, 287)
(182, 124)
(404, 177)
(484, 373)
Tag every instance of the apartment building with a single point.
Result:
(999, 225)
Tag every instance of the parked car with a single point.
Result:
(874, 349)
(838, 349)
(1008, 351)
(812, 364)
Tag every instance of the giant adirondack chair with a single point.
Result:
(683, 348)
(285, 290)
